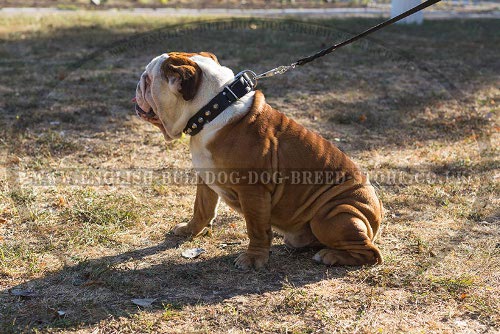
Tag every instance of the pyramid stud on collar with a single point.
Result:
(216, 106)
(207, 113)
(194, 126)
(200, 120)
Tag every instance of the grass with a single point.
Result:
(200, 4)
(18, 259)
(85, 211)
(79, 4)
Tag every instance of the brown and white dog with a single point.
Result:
(343, 216)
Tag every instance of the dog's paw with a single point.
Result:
(247, 261)
(334, 257)
(185, 230)
(182, 230)
(327, 256)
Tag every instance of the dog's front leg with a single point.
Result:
(205, 210)
(256, 208)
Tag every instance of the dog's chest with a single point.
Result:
(202, 158)
(200, 155)
(204, 164)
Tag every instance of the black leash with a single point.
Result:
(246, 81)
(303, 61)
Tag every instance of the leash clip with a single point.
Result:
(275, 71)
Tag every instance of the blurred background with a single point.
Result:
(241, 4)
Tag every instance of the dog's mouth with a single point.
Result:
(149, 116)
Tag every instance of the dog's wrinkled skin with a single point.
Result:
(343, 218)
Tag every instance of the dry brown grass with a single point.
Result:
(79, 4)
(234, 4)
(429, 109)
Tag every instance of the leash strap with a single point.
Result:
(246, 81)
(303, 61)
(243, 83)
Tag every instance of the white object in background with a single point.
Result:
(400, 6)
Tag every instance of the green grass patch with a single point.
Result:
(96, 219)
(19, 259)
(67, 7)
(454, 285)
(22, 196)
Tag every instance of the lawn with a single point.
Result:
(76, 4)
(85, 209)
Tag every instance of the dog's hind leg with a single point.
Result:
(301, 238)
(347, 236)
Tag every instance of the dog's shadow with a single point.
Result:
(96, 289)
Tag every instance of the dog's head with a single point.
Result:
(175, 86)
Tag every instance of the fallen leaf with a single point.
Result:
(23, 293)
(146, 302)
(463, 296)
(192, 253)
(362, 118)
(3, 220)
(77, 281)
(60, 202)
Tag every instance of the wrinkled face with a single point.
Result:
(167, 88)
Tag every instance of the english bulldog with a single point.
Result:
(341, 214)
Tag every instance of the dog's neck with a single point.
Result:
(213, 83)
(234, 112)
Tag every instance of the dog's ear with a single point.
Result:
(210, 55)
(185, 73)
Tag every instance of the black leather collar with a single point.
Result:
(243, 83)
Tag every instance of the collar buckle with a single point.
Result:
(246, 78)
(249, 76)
(229, 90)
